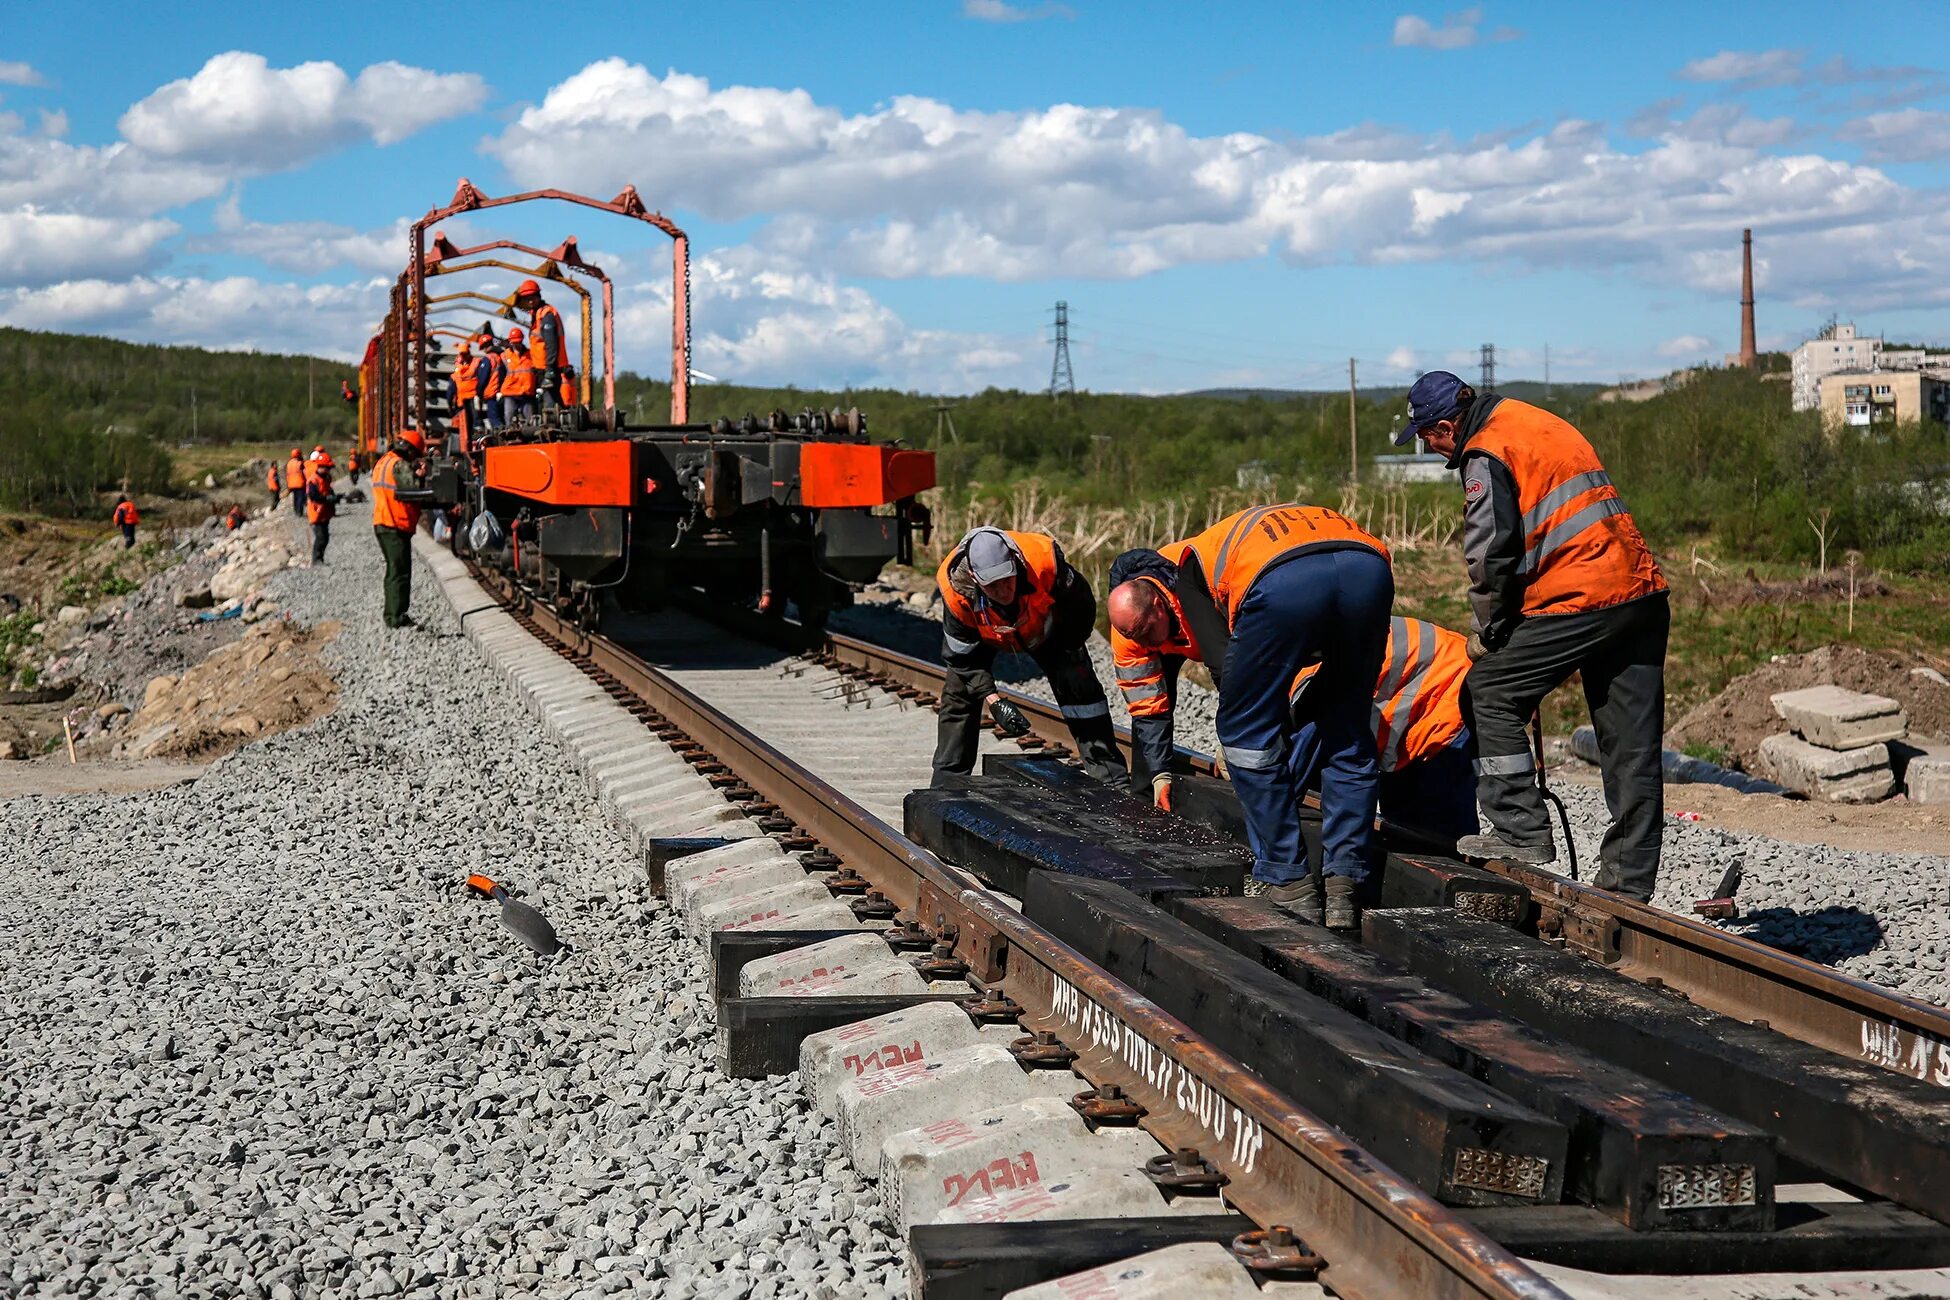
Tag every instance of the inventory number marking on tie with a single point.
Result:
(1923, 1056)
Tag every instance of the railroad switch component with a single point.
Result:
(1107, 1106)
(941, 963)
(995, 1009)
(1276, 1250)
(874, 906)
(1184, 1172)
(1042, 1050)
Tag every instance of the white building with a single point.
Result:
(1835, 348)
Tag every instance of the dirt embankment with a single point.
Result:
(270, 681)
(1740, 717)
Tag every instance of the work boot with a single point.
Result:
(1342, 912)
(1494, 846)
(1299, 898)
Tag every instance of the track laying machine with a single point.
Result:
(573, 503)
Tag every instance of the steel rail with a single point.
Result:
(1722, 972)
(1381, 1235)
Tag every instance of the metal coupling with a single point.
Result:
(874, 906)
(1107, 1106)
(1042, 1050)
(1276, 1250)
(941, 963)
(1185, 1172)
(994, 1009)
(849, 881)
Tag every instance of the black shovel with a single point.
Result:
(527, 925)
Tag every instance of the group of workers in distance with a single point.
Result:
(1322, 685)
(497, 381)
(309, 481)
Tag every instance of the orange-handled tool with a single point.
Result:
(527, 925)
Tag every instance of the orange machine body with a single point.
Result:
(838, 474)
(564, 473)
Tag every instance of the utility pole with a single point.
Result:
(1062, 383)
(943, 416)
(1488, 385)
(192, 413)
(1547, 372)
(308, 384)
(1353, 445)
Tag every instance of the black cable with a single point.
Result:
(1550, 796)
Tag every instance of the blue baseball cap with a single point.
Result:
(1437, 395)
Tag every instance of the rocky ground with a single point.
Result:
(1882, 916)
(255, 1039)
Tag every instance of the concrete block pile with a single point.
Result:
(1837, 747)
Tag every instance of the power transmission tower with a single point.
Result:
(1489, 369)
(1062, 383)
(944, 418)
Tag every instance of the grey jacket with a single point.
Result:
(1492, 532)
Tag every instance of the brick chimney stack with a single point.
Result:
(1749, 354)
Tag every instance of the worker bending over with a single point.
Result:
(547, 350)
(1560, 582)
(1014, 591)
(394, 520)
(321, 503)
(1420, 716)
(294, 480)
(1259, 596)
(126, 519)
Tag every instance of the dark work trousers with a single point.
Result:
(128, 536)
(1436, 794)
(297, 501)
(1620, 652)
(514, 406)
(1066, 663)
(276, 498)
(321, 537)
(396, 544)
(1331, 607)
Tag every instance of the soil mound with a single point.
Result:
(271, 680)
(1739, 717)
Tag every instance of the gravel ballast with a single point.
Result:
(256, 1040)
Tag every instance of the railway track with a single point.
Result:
(1374, 1231)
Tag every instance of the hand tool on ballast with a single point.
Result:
(527, 925)
(1722, 907)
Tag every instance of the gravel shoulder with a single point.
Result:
(254, 1038)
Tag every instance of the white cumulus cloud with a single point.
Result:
(999, 11)
(238, 108)
(1456, 31)
(15, 73)
(38, 248)
(1686, 347)
(1908, 135)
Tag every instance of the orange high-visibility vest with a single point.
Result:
(125, 513)
(496, 369)
(537, 346)
(388, 511)
(318, 511)
(467, 384)
(1240, 547)
(294, 473)
(272, 481)
(1418, 697)
(521, 376)
(568, 392)
(1581, 549)
(1035, 594)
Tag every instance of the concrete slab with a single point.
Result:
(1838, 718)
(854, 965)
(723, 913)
(1101, 1195)
(699, 891)
(828, 1058)
(1928, 780)
(874, 1107)
(1861, 775)
(1196, 1268)
(802, 915)
(745, 853)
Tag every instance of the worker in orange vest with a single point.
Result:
(1014, 591)
(547, 349)
(126, 519)
(274, 481)
(353, 465)
(345, 391)
(1420, 716)
(294, 480)
(490, 372)
(1261, 595)
(1561, 582)
(321, 503)
(518, 381)
(234, 519)
(393, 521)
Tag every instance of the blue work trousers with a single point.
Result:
(1435, 795)
(1330, 607)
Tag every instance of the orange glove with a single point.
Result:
(1161, 792)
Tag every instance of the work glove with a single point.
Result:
(1161, 792)
(1009, 719)
(1476, 649)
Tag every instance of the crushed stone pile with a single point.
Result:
(256, 1039)
(270, 681)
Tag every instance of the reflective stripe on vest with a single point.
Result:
(1240, 547)
(1581, 548)
(294, 474)
(537, 347)
(1418, 699)
(521, 377)
(1038, 572)
(388, 511)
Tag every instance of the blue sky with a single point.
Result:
(897, 193)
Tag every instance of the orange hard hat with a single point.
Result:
(514, 336)
(296, 452)
(319, 447)
(412, 437)
(325, 459)
(527, 287)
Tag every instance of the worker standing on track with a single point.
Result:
(294, 480)
(518, 381)
(126, 518)
(1422, 738)
(393, 521)
(274, 481)
(1561, 582)
(1262, 594)
(1014, 591)
(546, 342)
(321, 503)
(353, 465)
